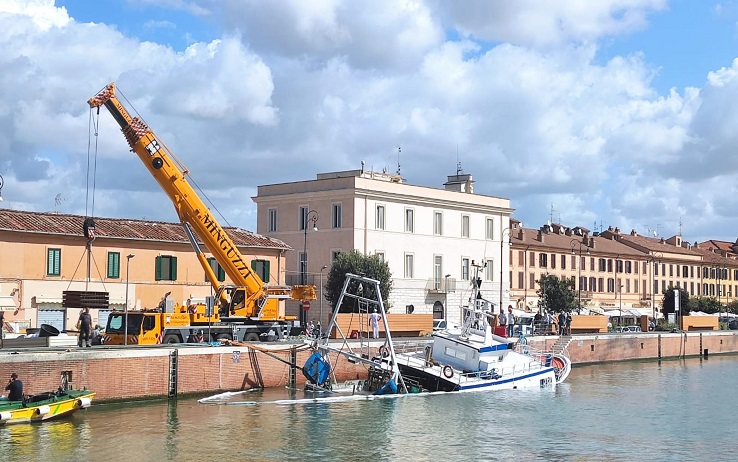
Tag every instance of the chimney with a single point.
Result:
(522, 234)
(591, 244)
(463, 182)
(633, 232)
(540, 236)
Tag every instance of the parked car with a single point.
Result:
(439, 324)
(625, 329)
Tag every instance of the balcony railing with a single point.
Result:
(441, 286)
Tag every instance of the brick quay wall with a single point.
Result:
(133, 373)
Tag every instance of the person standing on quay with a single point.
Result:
(562, 323)
(374, 319)
(502, 318)
(510, 321)
(84, 324)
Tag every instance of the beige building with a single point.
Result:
(42, 255)
(614, 271)
(430, 237)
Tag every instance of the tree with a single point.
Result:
(556, 294)
(667, 302)
(732, 307)
(709, 305)
(370, 266)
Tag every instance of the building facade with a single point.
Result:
(431, 238)
(614, 271)
(136, 262)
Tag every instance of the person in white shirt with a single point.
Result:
(374, 319)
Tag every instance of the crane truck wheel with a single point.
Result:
(171, 338)
(252, 337)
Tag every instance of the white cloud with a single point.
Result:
(290, 89)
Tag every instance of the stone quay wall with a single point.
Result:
(133, 373)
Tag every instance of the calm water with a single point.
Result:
(678, 410)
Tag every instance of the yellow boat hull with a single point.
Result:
(52, 408)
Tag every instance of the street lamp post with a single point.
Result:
(321, 295)
(128, 263)
(655, 259)
(502, 240)
(574, 243)
(309, 216)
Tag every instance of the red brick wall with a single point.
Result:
(135, 373)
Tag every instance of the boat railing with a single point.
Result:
(543, 357)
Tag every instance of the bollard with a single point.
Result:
(706, 352)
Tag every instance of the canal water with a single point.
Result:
(675, 410)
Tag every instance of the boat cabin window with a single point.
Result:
(454, 353)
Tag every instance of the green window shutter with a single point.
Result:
(113, 265)
(53, 267)
(174, 268)
(210, 263)
(157, 275)
(221, 273)
(261, 268)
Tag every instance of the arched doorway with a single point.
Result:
(438, 311)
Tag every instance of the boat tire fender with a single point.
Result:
(448, 371)
(84, 402)
(5, 416)
(42, 410)
(384, 351)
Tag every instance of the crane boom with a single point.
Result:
(194, 213)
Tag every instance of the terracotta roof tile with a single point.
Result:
(119, 228)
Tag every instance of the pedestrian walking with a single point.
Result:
(84, 325)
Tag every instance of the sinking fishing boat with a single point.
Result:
(472, 357)
(383, 375)
(44, 406)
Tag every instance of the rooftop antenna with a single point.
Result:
(459, 170)
(551, 214)
(656, 234)
(58, 200)
(680, 226)
(399, 150)
(362, 166)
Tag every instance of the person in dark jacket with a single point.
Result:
(15, 388)
(85, 326)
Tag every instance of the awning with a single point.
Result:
(48, 300)
(7, 302)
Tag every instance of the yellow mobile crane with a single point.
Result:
(245, 310)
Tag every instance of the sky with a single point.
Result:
(619, 113)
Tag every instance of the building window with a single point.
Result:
(379, 221)
(543, 263)
(336, 222)
(303, 268)
(303, 218)
(260, 267)
(532, 261)
(166, 268)
(437, 223)
(489, 272)
(217, 269)
(53, 262)
(380, 256)
(465, 226)
(272, 220)
(113, 265)
(409, 265)
(409, 221)
(521, 280)
(334, 255)
(602, 264)
(628, 266)
(553, 261)
(437, 270)
(465, 269)
(489, 232)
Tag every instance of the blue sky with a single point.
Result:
(620, 112)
